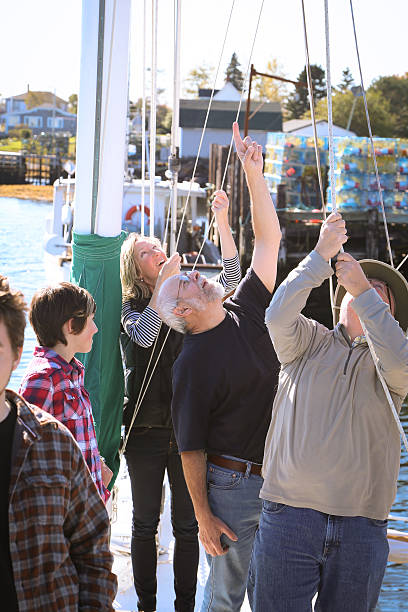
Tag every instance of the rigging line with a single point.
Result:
(204, 126)
(98, 111)
(385, 387)
(380, 191)
(139, 401)
(145, 389)
(402, 262)
(143, 168)
(105, 114)
(153, 107)
(174, 144)
(329, 110)
(316, 143)
(232, 137)
(312, 111)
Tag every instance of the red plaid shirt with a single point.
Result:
(53, 384)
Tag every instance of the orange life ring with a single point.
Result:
(137, 208)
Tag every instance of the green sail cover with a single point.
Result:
(95, 266)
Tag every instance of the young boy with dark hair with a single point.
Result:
(62, 319)
(54, 528)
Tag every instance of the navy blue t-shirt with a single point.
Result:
(225, 379)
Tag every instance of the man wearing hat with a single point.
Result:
(332, 451)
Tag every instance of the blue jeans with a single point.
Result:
(299, 552)
(149, 452)
(234, 498)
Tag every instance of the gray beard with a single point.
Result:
(213, 291)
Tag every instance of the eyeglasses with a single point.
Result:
(182, 279)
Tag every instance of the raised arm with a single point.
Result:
(231, 273)
(264, 218)
(290, 331)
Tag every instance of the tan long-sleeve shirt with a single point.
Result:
(333, 444)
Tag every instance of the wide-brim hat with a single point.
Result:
(395, 281)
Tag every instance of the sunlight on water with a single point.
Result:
(22, 224)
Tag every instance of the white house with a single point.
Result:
(304, 127)
(264, 117)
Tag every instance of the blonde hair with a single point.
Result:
(133, 286)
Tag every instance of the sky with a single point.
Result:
(40, 41)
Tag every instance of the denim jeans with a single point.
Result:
(299, 552)
(234, 498)
(149, 452)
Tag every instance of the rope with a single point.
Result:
(142, 391)
(204, 127)
(402, 262)
(369, 342)
(316, 143)
(98, 111)
(385, 387)
(371, 140)
(329, 109)
(232, 137)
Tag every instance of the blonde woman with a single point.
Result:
(151, 447)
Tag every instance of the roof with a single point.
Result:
(223, 114)
(297, 124)
(48, 94)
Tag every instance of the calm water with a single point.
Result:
(22, 225)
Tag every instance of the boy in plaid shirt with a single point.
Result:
(62, 319)
(54, 528)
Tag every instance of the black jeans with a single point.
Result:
(149, 452)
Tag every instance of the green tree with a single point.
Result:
(233, 74)
(198, 78)
(395, 90)
(298, 101)
(73, 103)
(271, 90)
(163, 115)
(383, 122)
(346, 80)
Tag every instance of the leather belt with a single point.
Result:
(237, 466)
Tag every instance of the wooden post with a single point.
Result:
(372, 234)
(248, 104)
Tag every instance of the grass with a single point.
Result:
(43, 193)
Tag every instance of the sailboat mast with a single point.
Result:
(174, 163)
(102, 117)
(152, 126)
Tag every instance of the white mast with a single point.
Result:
(153, 104)
(143, 169)
(102, 116)
(174, 164)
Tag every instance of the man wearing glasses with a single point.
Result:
(332, 451)
(223, 388)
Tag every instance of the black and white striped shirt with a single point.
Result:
(143, 327)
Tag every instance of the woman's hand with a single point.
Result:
(169, 268)
(249, 152)
(220, 207)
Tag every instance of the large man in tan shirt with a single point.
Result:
(332, 451)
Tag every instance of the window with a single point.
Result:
(57, 121)
(33, 121)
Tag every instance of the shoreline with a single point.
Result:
(40, 193)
